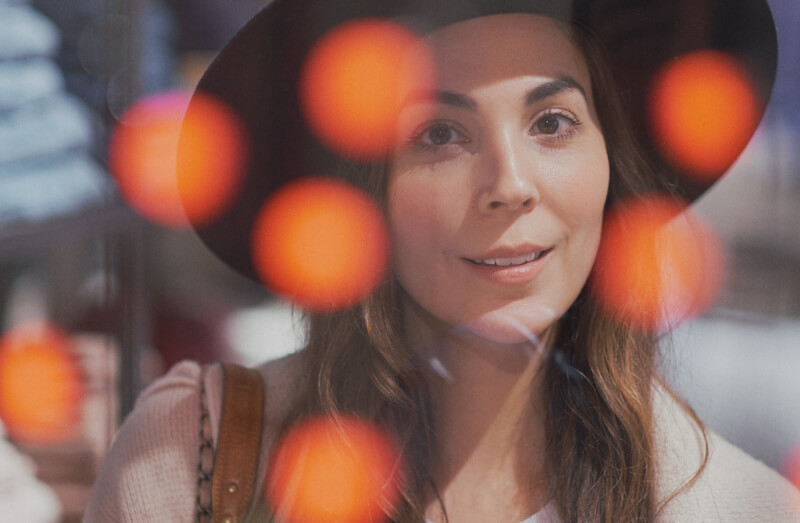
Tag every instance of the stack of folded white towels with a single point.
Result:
(46, 169)
(22, 496)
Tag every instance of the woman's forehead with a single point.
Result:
(482, 50)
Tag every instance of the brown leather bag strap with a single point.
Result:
(238, 444)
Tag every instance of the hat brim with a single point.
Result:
(257, 73)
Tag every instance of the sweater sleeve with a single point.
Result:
(150, 472)
(732, 487)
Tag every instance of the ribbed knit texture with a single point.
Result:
(150, 474)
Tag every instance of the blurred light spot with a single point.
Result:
(703, 112)
(354, 82)
(320, 243)
(327, 469)
(792, 468)
(41, 386)
(169, 185)
(652, 273)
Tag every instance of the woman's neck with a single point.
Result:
(487, 415)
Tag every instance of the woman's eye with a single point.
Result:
(439, 135)
(553, 123)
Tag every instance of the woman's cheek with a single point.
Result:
(410, 217)
(424, 216)
(582, 188)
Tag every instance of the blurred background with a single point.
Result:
(104, 300)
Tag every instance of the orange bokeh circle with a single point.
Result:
(703, 111)
(321, 243)
(656, 264)
(327, 469)
(792, 468)
(171, 185)
(41, 385)
(355, 80)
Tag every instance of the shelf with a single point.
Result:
(20, 237)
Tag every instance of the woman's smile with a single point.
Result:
(510, 270)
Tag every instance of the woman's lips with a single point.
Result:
(511, 270)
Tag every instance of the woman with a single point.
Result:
(511, 392)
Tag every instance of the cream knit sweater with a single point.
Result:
(150, 474)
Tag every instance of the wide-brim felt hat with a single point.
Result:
(258, 72)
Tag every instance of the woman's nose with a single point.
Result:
(508, 181)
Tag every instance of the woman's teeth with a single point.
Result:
(508, 262)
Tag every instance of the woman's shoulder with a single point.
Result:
(733, 486)
(178, 393)
(150, 472)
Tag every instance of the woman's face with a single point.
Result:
(497, 188)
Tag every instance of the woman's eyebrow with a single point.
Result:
(462, 101)
(450, 98)
(547, 89)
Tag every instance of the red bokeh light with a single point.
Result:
(41, 385)
(169, 189)
(792, 468)
(649, 271)
(355, 80)
(321, 243)
(327, 469)
(703, 111)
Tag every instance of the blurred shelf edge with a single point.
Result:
(22, 235)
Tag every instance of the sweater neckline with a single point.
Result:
(547, 514)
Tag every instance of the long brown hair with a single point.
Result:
(597, 386)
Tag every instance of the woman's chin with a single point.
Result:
(511, 327)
